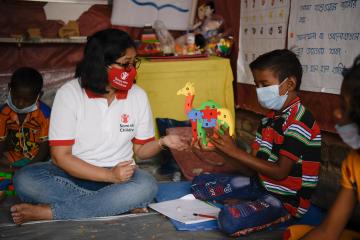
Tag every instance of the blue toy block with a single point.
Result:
(4, 184)
(194, 115)
(209, 124)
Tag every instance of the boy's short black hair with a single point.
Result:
(102, 49)
(351, 86)
(282, 62)
(26, 77)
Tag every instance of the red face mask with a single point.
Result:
(121, 79)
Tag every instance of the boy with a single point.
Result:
(24, 123)
(285, 154)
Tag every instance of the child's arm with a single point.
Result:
(338, 216)
(2, 149)
(43, 153)
(276, 171)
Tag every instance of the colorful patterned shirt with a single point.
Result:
(294, 134)
(23, 139)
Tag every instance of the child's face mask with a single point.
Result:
(25, 110)
(349, 133)
(270, 98)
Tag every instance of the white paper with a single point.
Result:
(263, 26)
(176, 14)
(325, 34)
(183, 209)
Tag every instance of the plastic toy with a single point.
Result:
(149, 45)
(206, 117)
(167, 42)
(224, 45)
(6, 184)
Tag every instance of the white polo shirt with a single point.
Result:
(101, 135)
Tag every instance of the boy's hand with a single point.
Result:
(225, 142)
(198, 145)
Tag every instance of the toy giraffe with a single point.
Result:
(208, 115)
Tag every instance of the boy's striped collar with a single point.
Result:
(291, 104)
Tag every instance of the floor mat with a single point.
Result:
(127, 226)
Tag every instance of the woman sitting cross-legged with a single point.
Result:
(98, 122)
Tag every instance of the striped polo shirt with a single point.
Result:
(295, 134)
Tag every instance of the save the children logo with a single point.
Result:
(125, 126)
(124, 75)
(124, 118)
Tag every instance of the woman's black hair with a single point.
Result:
(351, 86)
(28, 78)
(282, 62)
(102, 49)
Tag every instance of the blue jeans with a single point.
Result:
(257, 210)
(70, 197)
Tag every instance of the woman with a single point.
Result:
(99, 121)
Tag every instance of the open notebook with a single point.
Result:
(183, 209)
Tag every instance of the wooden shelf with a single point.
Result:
(43, 40)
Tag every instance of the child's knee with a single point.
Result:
(250, 216)
(230, 220)
(23, 180)
(199, 187)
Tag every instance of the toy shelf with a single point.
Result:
(76, 40)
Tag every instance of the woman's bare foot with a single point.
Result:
(139, 210)
(22, 213)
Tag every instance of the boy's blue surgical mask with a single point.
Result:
(349, 133)
(28, 109)
(270, 98)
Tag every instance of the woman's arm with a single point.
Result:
(338, 216)
(63, 158)
(152, 148)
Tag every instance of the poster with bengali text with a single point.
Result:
(325, 35)
(263, 27)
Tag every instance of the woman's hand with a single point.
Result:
(176, 142)
(123, 171)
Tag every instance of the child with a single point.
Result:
(24, 123)
(285, 154)
(348, 127)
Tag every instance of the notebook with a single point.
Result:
(187, 209)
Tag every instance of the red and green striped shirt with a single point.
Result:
(295, 134)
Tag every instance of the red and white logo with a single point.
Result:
(125, 118)
(124, 75)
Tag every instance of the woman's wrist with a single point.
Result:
(110, 177)
(161, 143)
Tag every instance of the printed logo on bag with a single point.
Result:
(125, 126)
